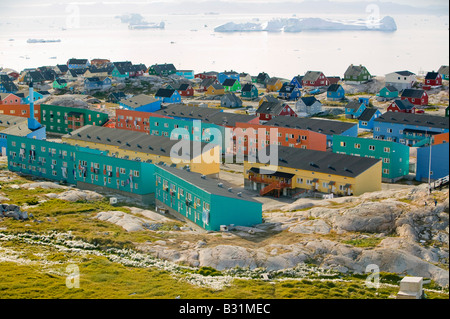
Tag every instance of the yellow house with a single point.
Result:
(215, 89)
(144, 147)
(97, 73)
(297, 171)
(267, 98)
(274, 84)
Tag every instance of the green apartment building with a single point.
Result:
(203, 201)
(63, 119)
(394, 156)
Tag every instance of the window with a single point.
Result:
(386, 160)
(343, 144)
(389, 130)
(377, 129)
(385, 171)
(371, 147)
(325, 185)
(206, 206)
(309, 182)
(341, 187)
(357, 146)
(364, 123)
(299, 180)
(387, 150)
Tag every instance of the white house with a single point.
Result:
(401, 80)
(308, 106)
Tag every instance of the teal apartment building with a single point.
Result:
(203, 201)
(394, 156)
(86, 168)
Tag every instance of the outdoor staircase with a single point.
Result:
(275, 186)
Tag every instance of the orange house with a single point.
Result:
(248, 139)
(274, 85)
(9, 98)
(22, 110)
(134, 120)
(215, 89)
(441, 138)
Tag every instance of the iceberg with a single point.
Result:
(239, 27)
(42, 41)
(386, 24)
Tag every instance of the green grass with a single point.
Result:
(363, 242)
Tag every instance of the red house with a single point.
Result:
(9, 98)
(315, 79)
(415, 96)
(185, 90)
(207, 75)
(268, 110)
(433, 79)
(402, 106)
(134, 120)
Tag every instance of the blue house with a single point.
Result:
(168, 96)
(354, 109)
(335, 92)
(228, 75)
(297, 81)
(97, 83)
(25, 96)
(364, 100)
(7, 85)
(367, 118)
(187, 74)
(17, 126)
(439, 162)
(289, 92)
(78, 63)
(408, 128)
(141, 103)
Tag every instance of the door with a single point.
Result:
(3, 151)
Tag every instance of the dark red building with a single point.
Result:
(268, 110)
(415, 96)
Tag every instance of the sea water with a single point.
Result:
(420, 44)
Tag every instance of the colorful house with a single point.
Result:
(22, 110)
(134, 120)
(367, 118)
(415, 96)
(162, 69)
(303, 172)
(115, 97)
(443, 71)
(148, 148)
(354, 109)
(215, 89)
(297, 81)
(262, 78)
(59, 84)
(121, 70)
(322, 126)
(249, 92)
(315, 79)
(97, 83)
(289, 92)
(230, 100)
(207, 75)
(274, 84)
(25, 95)
(78, 63)
(203, 201)
(7, 86)
(389, 92)
(187, 74)
(222, 76)
(204, 85)
(356, 74)
(63, 119)
(439, 154)
(9, 99)
(185, 89)
(408, 128)
(335, 92)
(245, 78)
(403, 106)
(394, 156)
(268, 110)
(251, 137)
(308, 106)
(142, 103)
(433, 79)
(168, 96)
(401, 79)
(232, 85)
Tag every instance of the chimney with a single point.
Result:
(32, 123)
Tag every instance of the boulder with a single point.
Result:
(77, 195)
(128, 222)
(224, 257)
(44, 185)
(316, 226)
